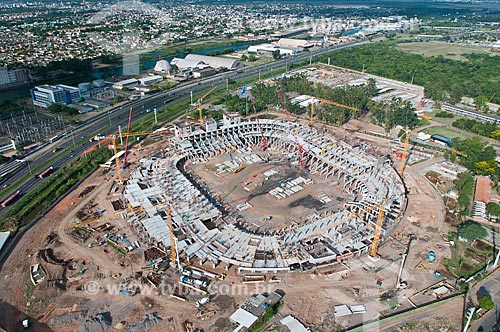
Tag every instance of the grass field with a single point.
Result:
(447, 50)
(446, 132)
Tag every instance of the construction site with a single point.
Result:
(179, 232)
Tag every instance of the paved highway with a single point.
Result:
(119, 116)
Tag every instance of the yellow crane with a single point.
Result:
(117, 161)
(115, 150)
(405, 152)
(404, 155)
(358, 214)
(200, 110)
(326, 101)
(378, 230)
(173, 252)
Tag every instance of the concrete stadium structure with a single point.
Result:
(327, 237)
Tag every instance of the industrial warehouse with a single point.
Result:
(205, 229)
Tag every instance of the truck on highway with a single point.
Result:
(46, 173)
(11, 198)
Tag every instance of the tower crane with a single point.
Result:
(200, 100)
(299, 146)
(404, 155)
(264, 143)
(378, 230)
(405, 152)
(326, 101)
(117, 160)
(126, 140)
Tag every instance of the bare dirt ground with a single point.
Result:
(309, 297)
(252, 186)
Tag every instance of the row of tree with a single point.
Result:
(480, 128)
(479, 157)
(443, 79)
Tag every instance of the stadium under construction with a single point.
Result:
(175, 205)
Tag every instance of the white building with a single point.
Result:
(243, 319)
(151, 79)
(45, 95)
(130, 83)
(162, 66)
(185, 64)
(216, 62)
(270, 48)
(294, 43)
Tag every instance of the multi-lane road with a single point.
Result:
(74, 143)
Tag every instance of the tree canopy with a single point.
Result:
(486, 302)
(442, 79)
(479, 158)
(471, 231)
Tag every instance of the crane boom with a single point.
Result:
(405, 153)
(117, 160)
(126, 139)
(326, 101)
(378, 230)
(172, 236)
(200, 110)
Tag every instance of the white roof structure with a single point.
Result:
(293, 324)
(216, 62)
(162, 66)
(294, 43)
(150, 79)
(243, 318)
(188, 63)
(342, 310)
(3, 238)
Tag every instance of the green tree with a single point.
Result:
(486, 302)
(493, 209)
(464, 184)
(481, 103)
(471, 231)
(276, 54)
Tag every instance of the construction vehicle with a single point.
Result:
(189, 326)
(199, 102)
(326, 101)
(399, 283)
(202, 302)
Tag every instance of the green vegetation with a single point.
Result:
(444, 49)
(493, 209)
(471, 231)
(486, 303)
(464, 184)
(476, 127)
(57, 108)
(394, 112)
(479, 158)
(444, 114)
(51, 189)
(466, 258)
(269, 313)
(443, 79)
